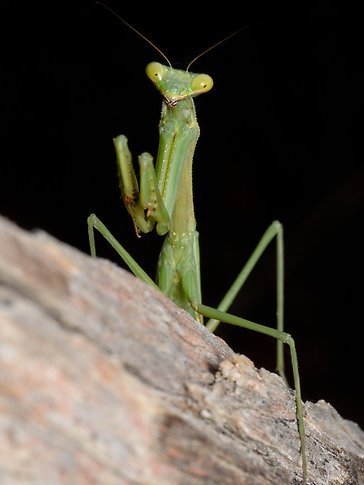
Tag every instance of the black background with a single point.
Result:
(280, 139)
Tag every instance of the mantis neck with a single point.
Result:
(179, 132)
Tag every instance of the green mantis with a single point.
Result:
(163, 200)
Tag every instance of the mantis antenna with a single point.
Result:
(157, 48)
(134, 29)
(215, 45)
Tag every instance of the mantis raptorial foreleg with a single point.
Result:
(145, 205)
(165, 200)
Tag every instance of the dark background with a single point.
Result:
(280, 139)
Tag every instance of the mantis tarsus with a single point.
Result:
(164, 200)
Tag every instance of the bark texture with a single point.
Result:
(103, 380)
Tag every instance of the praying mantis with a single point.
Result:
(164, 200)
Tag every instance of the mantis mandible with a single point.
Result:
(164, 200)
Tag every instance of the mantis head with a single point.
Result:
(177, 84)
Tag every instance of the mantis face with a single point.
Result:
(177, 84)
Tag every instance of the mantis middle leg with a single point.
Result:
(275, 230)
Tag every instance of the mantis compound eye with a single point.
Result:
(202, 83)
(155, 71)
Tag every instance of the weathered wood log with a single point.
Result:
(104, 380)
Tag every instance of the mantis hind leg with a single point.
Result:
(275, 230)
(282, 337)
(94, 222)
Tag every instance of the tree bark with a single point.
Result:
(104, 380)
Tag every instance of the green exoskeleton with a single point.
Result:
(164, 200)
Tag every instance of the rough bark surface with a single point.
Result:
(104, 380)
